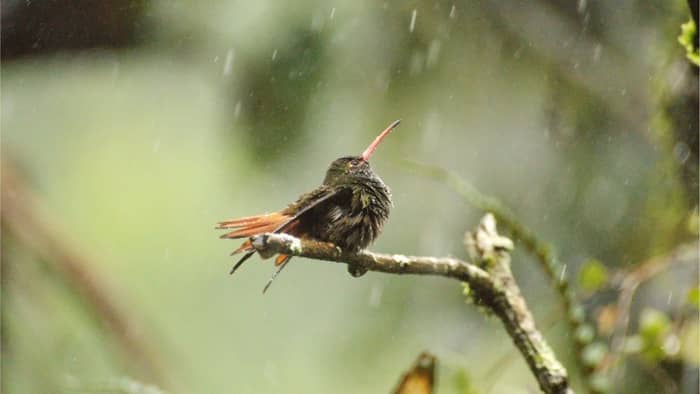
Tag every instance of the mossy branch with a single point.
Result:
(490, 281)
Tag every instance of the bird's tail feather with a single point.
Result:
(252, 225)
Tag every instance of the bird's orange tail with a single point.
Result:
(252, 225)
(281, 259)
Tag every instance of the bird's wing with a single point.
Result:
(307, 202)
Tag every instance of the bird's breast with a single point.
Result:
(355, 225)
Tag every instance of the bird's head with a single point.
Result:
(351, 169)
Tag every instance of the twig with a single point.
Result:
(628, 286)
(491, 282)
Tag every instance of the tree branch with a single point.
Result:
(544, 252)
(365, 260)
(491, 283)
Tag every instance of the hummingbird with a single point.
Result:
(348, 210)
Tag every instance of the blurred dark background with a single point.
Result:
(130, 127)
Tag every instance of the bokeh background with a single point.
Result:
(129, 128)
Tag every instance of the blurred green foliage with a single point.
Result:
(654, 326)
(592, 276)
(694, 297)
(135, 148)
(687, 39)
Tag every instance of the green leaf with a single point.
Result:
(592, 276)
(594, 353)
(687, 39)
(466, 289)
(585, 333)
(654, 325)
(467, 292)
(577, 314)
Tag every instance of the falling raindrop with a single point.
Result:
(433, 53)
(682, 152)
(413, 21)
(228, 64)
(597, 51)
(317, 21)
(417, 63)
(581, 6)
(562, 276)
(375, 295)
(332, 13)
(274, 55)
(237, 109)
(453, 11)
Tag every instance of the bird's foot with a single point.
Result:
(259, 243)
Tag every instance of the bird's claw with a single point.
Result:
(259, 242)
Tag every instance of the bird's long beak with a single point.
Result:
(373, 146)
